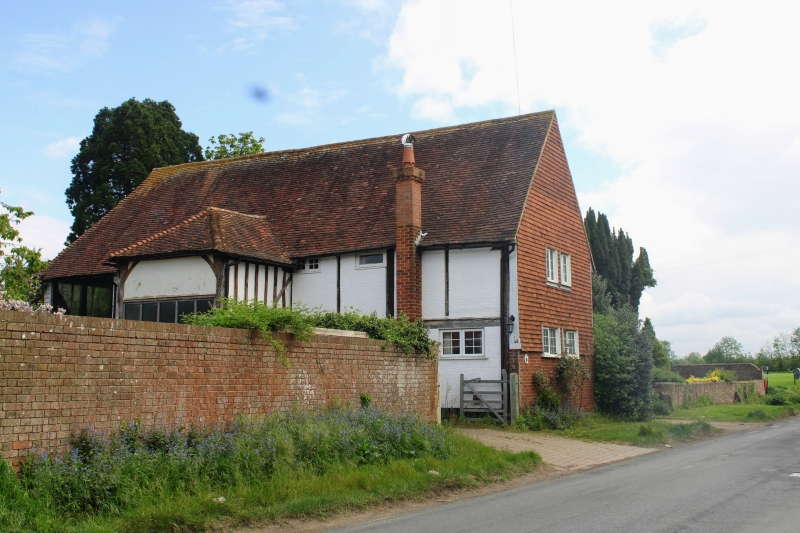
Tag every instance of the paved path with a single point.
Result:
(564, 454)
(741, 482)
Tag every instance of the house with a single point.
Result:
(483, 240)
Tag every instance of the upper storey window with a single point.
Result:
(566, 270)
(370, 260)
(551, 257)
(310, 265)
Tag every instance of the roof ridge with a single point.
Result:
(155, 236)
(164, 172)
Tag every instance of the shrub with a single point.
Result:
(758, 414)
(407, 335)
(538, 418)
(109, 473)
(661, 375)
(623, 365)
(571, 374)
(660, 407)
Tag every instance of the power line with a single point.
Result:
(728, 259)
(514, 41)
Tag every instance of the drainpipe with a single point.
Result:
(504, 305)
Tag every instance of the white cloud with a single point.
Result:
(253, 20)
(64, 51)
(63, 147)
(47, 233)
(694, 101)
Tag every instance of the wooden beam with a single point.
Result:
(282, 294)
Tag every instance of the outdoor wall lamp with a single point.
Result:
(510, 323)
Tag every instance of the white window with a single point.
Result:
(571, 343)
(566, 270)
(462, 343)
(310, 265)
(550, 342)
(552, 265)
(371, 260)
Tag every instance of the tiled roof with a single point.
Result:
(212, 230)
(339, 197)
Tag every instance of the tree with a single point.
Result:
(613, 257)
(727, 350)
(623, 364)
(232, 146)
(20, 277)
(601, 299)
(694, 358)
(126, 144)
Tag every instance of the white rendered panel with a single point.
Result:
(474, 283)
(362, 288)
(182, 276)
(433, 284)
(450, 369)
(239, 277)
(316, 288)
(251, 282)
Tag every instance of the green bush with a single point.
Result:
(757, 414)
(538, 418)
(660, 407)
(409, 336)
(661, 375)
(107, 474)
(623, 365)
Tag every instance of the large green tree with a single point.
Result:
(225, 146)
(625, 277)
(127, 142)
(20, 273)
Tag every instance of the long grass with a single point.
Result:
(288, 465)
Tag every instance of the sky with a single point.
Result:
(681, 120)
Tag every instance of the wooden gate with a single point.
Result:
(488, 396)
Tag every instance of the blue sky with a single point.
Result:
(321, 63)
(680, 118)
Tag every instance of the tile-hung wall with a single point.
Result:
(261, 283)
(333, 283)
(461, 298)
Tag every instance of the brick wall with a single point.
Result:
(62, 373)
(744, 371)
(552, 219)
(719, 392)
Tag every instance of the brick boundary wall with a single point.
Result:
(719, 392)
(744, 371)
(59, 374)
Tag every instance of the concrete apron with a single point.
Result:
(563, 454)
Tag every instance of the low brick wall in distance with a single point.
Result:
(720, 392)
(743, 371)
(59, 374)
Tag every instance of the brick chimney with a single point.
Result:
(408, 210)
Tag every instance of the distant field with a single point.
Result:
(783, 379)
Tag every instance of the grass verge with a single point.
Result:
(287, 493)
(599, 428)
(748, 412)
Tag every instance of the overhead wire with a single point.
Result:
(514, 41)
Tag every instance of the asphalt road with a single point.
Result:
(740, 482)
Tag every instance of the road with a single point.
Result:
(739, 482)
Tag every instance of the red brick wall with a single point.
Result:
(552, 219)
(408, 207)
(59, 374)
